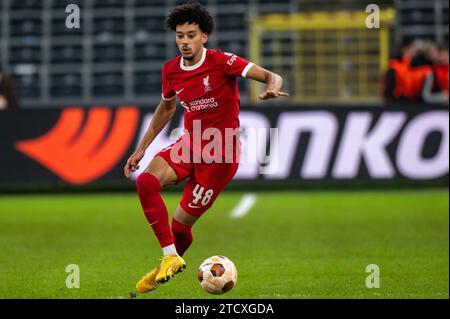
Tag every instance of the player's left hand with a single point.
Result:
(271, 94)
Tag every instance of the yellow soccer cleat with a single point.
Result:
(148, 282)
(170, 265)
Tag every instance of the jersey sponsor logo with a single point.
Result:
(232, 59)
(178, 92)
(81, 151)
(199, 105)
(185, 106)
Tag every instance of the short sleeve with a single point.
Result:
(234, 65)
(168, 92)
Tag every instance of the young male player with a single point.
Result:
(204, 81)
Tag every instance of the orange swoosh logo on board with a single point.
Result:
(80, 153)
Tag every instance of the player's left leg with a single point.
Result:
(182, 223)
(199, 194)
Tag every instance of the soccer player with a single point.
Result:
(204, 80)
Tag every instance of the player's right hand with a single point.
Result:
(132, 163)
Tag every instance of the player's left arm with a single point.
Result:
(274, 82)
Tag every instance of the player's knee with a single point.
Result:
(148, 183)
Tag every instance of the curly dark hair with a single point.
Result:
(191, 13)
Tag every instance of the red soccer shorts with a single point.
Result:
(206, 180)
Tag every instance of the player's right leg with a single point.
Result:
(149, 184)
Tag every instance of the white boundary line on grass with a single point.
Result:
(244, 206)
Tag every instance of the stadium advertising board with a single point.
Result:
(83, 146)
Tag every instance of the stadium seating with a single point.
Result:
(427, 19)
(122, 44)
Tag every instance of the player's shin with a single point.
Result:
(183, 236)
(148, 188)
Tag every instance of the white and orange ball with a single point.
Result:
(217, 275)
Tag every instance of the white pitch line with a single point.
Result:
(244, 206)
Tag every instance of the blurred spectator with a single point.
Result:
(8, 98)
(441, 67)
(396, 77)
(418, 74)
(424, 85)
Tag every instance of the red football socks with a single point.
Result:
(183, 236)
(148, 189)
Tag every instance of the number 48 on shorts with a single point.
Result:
(201, 197)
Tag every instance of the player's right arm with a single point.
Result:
(163, 114)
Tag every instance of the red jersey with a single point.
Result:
(209, 94)
(208, 90)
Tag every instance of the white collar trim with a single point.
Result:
(195, 66)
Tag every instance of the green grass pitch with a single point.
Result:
(289, 245)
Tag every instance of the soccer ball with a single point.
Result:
(217, 275)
